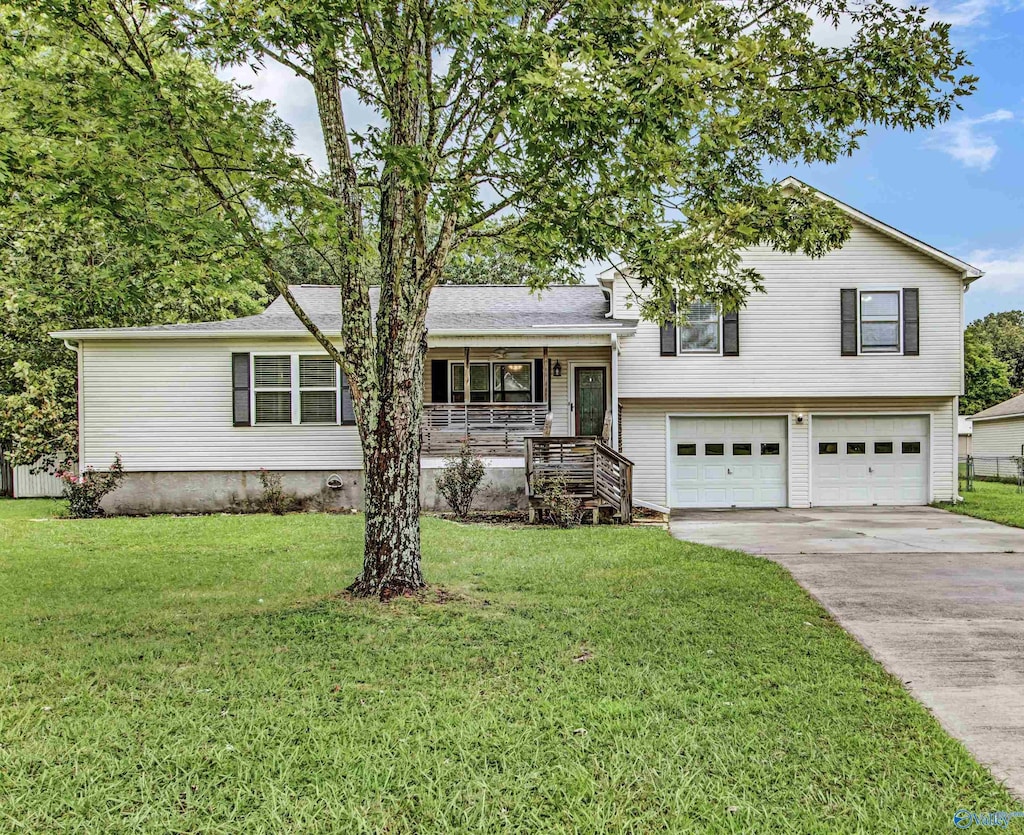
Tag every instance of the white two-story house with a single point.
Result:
(836, 386)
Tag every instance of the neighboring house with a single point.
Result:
(27, 481)
(999, 437)
(837, 386)
(964, 436)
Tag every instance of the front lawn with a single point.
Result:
(993, 500)
(198, 675)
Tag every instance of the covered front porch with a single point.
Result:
(514, 392)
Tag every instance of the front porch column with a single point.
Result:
(466, 388)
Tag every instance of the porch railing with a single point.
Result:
(592, 471)
(490, 428)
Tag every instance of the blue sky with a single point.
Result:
(959, 187)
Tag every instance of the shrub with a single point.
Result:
(84, 492)
(273, 500)
(460, 479)
(563, 508)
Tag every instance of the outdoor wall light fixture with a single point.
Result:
(557, 370)
(800, 418)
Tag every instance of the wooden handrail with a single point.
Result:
(592, 469)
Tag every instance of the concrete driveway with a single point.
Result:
(937, 598)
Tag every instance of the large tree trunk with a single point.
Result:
(391, 484)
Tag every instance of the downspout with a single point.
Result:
(614, 439)
(76, 347)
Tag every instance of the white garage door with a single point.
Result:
(880, 459)
(727, 461)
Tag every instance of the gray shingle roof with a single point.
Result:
(1008, 408)
(452, 307)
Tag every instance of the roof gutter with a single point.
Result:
(544, 330)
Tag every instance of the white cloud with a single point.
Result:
(1004, 269)
(962, 140)
(294, 99)
(967, 13)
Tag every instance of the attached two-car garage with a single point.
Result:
(744, 461)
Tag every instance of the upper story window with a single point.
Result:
(296, 388)
(879, 321)
(493, 382)
(702, 332)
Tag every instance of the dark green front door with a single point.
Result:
(590, 399)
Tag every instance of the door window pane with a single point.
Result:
(770, 449)
(883, 447)
(828, 448)
(741, 449)
(856, 448)
(686, 449)
(911, 447)
(714, 449)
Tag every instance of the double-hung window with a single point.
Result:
(272, 387)
(318, 390)
(702, 332)
(879, 321)
(296, 388)
(479, 382)
(493, 382)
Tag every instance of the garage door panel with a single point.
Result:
(887, 472)
(727, 461)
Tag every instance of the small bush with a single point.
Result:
(563, 508)
(273, 499)
(84, 492)
(460, 479)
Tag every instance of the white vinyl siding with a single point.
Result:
(996, 438)
(166, 405)
(644, 439)
(789, 336)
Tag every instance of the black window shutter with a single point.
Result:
(240, 389)
(348, 414)
(911, 322)
(848, 308)
(731, 334)
(538, 380)
(668, 337)
(439, 381)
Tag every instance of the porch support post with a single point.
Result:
(545, 385)
(613, 441)
(466, 388)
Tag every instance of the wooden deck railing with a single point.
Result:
(593, 471)
(490, 428)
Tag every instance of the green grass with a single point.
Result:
(993, 500)
(198, 675)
